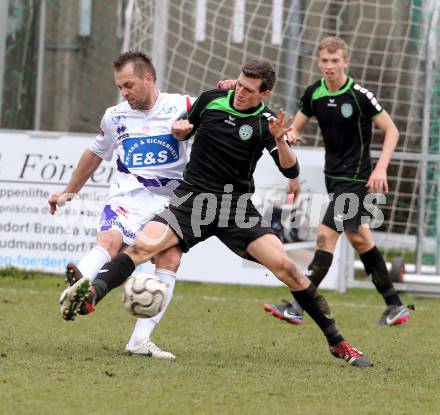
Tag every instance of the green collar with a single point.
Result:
(223, 104)
(322, 91)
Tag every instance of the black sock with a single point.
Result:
(319, 267)
(116, 272)
(317, 307)
(375, 266)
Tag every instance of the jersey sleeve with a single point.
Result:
(185, 103)
(189, 102)
(104, 143)
(369, 104)
(196, 111)
(305, 103)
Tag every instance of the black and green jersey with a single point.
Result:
(228, 143)
(345, 119)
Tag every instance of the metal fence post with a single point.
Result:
(4, 8)
(433, 10)
(40, 65)
(160, 40)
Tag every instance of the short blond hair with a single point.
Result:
(333, 44)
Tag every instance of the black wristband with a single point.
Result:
(291, 172)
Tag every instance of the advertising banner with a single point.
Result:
(32, 166)
(35, 164)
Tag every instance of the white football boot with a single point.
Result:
(148, 348)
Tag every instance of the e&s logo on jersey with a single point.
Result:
(150, 151)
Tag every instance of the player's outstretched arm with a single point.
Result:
(278, 128)
(87, 165)
(378, 181)
(182, 129)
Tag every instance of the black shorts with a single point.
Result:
(346, 210)
(196, 216)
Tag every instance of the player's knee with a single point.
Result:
(357, 241)
(109, 243)
(285, 268)
(143, 248)
(358, 245)
(169, 259)
(326, 240)
(321, 241)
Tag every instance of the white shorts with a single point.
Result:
(129, 213)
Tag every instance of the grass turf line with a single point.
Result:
(232, 357)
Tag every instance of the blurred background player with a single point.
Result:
(345, 112)
(150, 163)
(287, 234)
(232, 128)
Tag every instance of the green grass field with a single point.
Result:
(232, 357)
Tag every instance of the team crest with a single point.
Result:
(245, 132)
(346, 110)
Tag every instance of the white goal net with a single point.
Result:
(394, 45)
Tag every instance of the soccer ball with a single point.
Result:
(144, 295)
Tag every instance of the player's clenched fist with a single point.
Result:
(58, 199)
(227, 84)
(293, 137)
(181, 129)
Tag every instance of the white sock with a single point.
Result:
(93, 261)
(145, 326)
